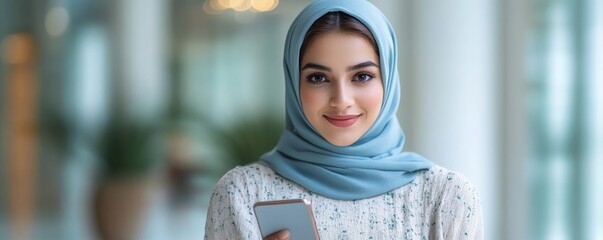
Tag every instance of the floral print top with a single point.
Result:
(437, 204)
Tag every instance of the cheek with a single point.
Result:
(372, 99)
(311, 101)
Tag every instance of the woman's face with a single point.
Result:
(340, 86)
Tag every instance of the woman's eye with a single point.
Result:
(364, 77)
(316, 78)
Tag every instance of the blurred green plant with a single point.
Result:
(129, 148)
(246, 141)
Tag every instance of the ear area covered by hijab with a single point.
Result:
(373, 165)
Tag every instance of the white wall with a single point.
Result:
(451, 92)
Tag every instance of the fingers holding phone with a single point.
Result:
(280, 235)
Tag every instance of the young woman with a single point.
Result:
(342, 146)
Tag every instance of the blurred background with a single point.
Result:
(118, 117)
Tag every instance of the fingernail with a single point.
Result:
(284, 235)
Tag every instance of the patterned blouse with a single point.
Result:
(438, 204)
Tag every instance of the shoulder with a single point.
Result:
(446, 180)
(258, 182)
(447, 187)
(245, 173)
(455, 201)
(243, 177)
(441, 189)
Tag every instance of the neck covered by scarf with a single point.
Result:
(373, 165)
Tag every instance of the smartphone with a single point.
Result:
(293, 214)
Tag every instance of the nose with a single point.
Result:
(341, 96)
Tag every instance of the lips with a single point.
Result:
(342, 121)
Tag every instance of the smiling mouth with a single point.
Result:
(342, 121)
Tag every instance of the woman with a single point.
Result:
(342, 146)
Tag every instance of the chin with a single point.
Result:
(342, 142)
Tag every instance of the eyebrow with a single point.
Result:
(351, 68)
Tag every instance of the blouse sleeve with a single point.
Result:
(460, 211)
(230, 215)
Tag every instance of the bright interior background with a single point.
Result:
(509, 93)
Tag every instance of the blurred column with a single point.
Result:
(21, 90)
(593, 179)
(141, 59)
(556, 116)
(516, 25)
(453, 117)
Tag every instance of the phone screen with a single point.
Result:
(292, 214)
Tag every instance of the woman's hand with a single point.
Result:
(280, 235)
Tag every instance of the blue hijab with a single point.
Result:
(373, 165)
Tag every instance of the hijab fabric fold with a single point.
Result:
(373, 165)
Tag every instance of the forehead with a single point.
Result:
(339, 47)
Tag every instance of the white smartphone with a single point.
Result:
(293, 214)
